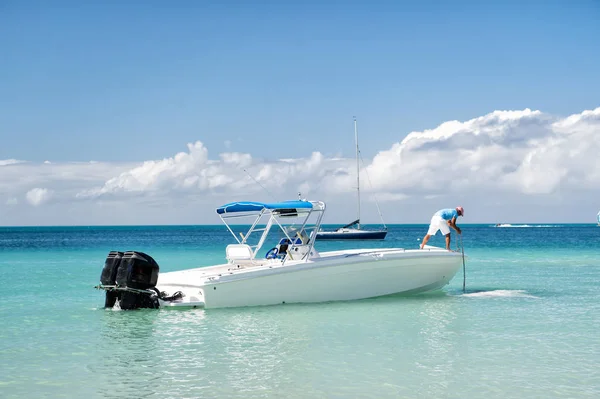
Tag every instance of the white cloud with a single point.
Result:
(524, 152)
(12, 201)
(542, 163)
(38, 196)
(193, 172)
(388, 197)
(5, 162)
(236, 158)
(177, 171)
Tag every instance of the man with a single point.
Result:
(440, 221)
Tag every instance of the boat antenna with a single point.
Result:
(263, 187)
(374, 196)
(357, 170)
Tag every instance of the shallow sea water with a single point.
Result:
(527, 326)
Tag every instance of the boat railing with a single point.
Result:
(276, 217)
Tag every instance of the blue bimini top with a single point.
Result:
(250, 206)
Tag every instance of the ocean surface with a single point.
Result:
(528, 325)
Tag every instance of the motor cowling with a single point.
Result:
(111, 265)
(135, 275)
(109, 276)
(137, 270)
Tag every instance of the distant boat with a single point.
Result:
(347, 232)
(353, 231)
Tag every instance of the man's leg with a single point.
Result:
(425, 239)
(448, 241)
(434, 226)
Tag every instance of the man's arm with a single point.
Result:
(452, 223)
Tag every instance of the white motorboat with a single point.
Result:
(292, 271)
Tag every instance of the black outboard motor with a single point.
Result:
(109, 276)
(137, 270)
(134, 275)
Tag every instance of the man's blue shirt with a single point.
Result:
(447, 214)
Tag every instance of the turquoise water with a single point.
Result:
(527, 326)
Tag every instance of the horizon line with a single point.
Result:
(324, 224)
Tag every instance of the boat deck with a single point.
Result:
(196, 276)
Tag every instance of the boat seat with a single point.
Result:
(282, 250)
(238, 252)
(284, 246)
(286, 241)
(241, 255)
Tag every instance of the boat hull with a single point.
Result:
(332, 277)
(352, 235)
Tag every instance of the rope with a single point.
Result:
(462, 248)
(374, 196)
(257, 182)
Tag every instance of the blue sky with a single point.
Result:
(123, 83)
(136, 81)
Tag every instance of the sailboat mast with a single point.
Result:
(357, 171)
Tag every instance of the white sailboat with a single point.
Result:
(353, 231)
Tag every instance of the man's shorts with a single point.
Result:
(438, 223)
